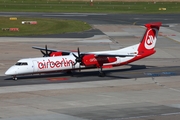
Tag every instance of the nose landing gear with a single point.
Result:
(15, 78)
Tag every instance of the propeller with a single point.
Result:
(78, 58)
(45, 54)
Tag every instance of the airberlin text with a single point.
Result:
(55, 64)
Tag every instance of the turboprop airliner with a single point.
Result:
(59, 60)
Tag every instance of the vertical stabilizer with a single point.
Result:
(148, 42)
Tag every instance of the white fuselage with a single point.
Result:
(54, 64)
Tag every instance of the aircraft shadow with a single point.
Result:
(109, 73)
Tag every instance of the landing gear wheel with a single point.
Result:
(69, 72)
(101, 74)
(15, 78)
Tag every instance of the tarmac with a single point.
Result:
(151, 97)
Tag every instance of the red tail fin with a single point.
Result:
(149, 39)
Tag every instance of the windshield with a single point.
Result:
(21, 63)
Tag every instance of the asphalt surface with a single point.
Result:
(103, 18)
(133, 72)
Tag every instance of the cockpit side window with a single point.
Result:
(24, 63)
(18, 63)
(21, 63)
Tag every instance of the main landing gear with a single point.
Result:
(101, 73)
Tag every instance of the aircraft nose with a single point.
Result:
(7, 72)
(10, 71)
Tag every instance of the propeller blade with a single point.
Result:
(72, 63)
(78, 52)
(75, 64)
(43, 53)
(46, 50)
(75, 55)
(49, 54)
(79, 67)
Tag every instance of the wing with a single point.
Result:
(112, 55)
(50, 50)
(108, 55)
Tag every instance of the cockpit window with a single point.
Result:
(24, 63)
(21, 63)
(18, 63)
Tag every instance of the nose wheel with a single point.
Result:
(14, 77)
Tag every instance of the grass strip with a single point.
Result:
(43, 26)
(84, 7)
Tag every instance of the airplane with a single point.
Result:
(60, 60)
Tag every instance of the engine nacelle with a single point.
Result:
(91, 60)
(55, 54)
